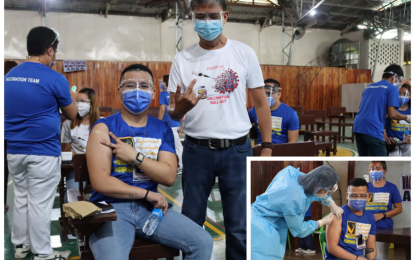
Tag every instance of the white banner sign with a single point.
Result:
(406, 188)
(74, 65)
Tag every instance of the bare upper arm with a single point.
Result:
(258, 96)
(70, 111)
(168, 158)
(333, 232)
(293, 136)
(98, 156)
(371, 242)
(398, 205)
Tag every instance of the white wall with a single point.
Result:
(129, 38)
(393, 175)
(407, 71)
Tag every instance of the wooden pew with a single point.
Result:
(341, 114)
(141, 250)
(291, 149)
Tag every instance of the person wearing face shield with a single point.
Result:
(378, 100)
(33, 94)
(75, 133)
(384, 202)
(129, 154)
(208, 83)
(164, 98)
(285, 124)
(395, 129)
(283, 205)
(353, 236)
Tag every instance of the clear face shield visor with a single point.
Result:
(329, 191)
(213, 16)
(59, 48)
(131, 85)
(358, 196)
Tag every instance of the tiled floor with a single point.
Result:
(214, 222)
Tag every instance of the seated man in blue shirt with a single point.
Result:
(285, 125)
(354, 236)
(128, 155)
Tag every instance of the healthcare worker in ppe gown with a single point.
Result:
(283, 206)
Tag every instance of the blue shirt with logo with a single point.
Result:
(376, 98)
(284, 119)
(164, 99)
(353, 225)
(382, 200)
(395, 128)
(33, 94)
(158, 137)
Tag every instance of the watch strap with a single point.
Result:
(266, 145)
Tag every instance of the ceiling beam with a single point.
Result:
(344, 5)
(253, 5)
(342, 14)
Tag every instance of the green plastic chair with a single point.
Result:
(322, 239)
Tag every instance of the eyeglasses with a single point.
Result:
(145, 86)
(355, 196)
(377, 168)
(208, 16)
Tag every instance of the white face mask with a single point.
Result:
(83, 108)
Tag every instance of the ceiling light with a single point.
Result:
(313, 12)
(361, 26)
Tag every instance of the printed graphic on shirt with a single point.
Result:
(276, 125)
(399, 125)
(147, 146)
(377, 201)
(222, 85)
(356, 228)
(79, 143)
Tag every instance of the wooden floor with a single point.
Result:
(395, 254)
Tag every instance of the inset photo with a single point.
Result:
(329, 210)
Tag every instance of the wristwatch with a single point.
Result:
(139, 159)
(266, 145)
(384, 214)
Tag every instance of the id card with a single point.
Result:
(139, 176)
(360, 242)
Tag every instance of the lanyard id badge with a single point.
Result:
(360, 242)
(139, 176)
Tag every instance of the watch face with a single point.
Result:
(140, 157)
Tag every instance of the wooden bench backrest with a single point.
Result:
(81, 173)
(320, 113)
(336, 111)
(297, 109)
(292, 149)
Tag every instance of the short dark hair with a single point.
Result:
(40, 39)
(358, 182)
(194, 3)
(392, 68)
(137, 67)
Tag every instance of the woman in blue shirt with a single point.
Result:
(395, 128)
(384, 202)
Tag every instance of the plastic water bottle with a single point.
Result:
(152, 221)
(406, 133)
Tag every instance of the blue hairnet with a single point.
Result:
(322, 177)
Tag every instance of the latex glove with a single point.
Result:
(336, 210)
(408, 119)
(326, 220)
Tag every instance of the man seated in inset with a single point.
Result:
(354, 236)
(128, 155)
(285, 125)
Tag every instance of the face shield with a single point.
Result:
(59, 48)
(326, 192)
(404, 96)
(270, 92)
(208, 25)
(396, 79)
(136, 94)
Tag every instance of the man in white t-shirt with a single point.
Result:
(209, 80)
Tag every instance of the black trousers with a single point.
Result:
(370, 146)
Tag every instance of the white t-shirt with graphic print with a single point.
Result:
(78, 137)
(224, 74)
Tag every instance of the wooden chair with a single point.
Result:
(341, 114)
(291, 149)
(141, 250)
(309, 133)
(322, 115)
(298, 109)
(115, 111)
(153, 111)
(105, 111)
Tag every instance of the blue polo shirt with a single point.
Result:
(382, 200)
(353, 225)
(33, 94)
(156, 136)
(376, 98)
(395, 128)
(164, 99)
(284, 119)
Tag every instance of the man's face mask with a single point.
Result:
(208, 25)
(136, 94)
(271, 93)
(404, 97)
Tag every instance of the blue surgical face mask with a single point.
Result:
(403, 101)
(136, 101)
(376, 175)
(162, 86)
(208, 29)
(53, 62)
(357, 205)
(270, 101)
